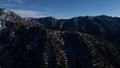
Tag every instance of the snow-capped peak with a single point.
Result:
(7, 15)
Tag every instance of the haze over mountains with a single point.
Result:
(79, 42)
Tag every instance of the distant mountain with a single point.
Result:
(101, 26)
(80, 42)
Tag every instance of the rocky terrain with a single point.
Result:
(80, 42)
(103, 26)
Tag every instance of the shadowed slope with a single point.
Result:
(25, 44)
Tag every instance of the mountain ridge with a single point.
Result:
(99, 25)
(44, 43)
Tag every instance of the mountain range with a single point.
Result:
(79, 42)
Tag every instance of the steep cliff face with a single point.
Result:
(30, 44)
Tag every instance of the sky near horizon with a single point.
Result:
(62, 8)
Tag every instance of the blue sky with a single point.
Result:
(62, 8)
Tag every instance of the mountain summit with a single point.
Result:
(80, 42)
